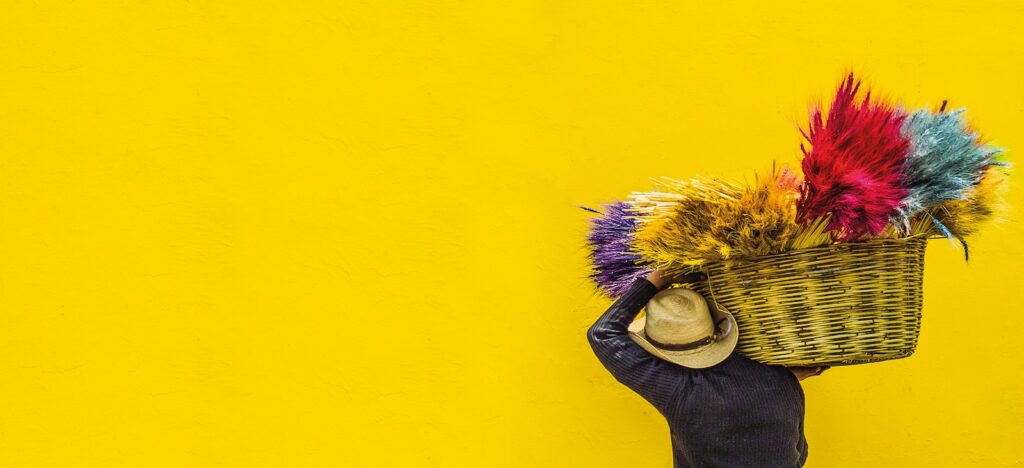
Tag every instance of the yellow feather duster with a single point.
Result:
(984, 202)
(703, 220)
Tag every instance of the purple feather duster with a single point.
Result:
(615, 266)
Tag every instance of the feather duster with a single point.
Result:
(854, 167)
(981, 203)
(705, 220)
(957, 219)
(614, 265)
(945, 160)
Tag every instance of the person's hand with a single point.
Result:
(660, 279)
(805, 372)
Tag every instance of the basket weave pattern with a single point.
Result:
(830, 305)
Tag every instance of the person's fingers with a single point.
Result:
(803, 372)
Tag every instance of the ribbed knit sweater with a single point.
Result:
(739, 413)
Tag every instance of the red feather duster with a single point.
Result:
(854, 168)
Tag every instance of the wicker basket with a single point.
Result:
(831, 305)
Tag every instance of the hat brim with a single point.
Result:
(699, 358)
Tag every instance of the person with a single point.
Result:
(733, 413)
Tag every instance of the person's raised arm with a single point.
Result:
(651, 377)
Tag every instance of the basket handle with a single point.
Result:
(711, 289)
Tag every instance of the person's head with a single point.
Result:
(679, 327)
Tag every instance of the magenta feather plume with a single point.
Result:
(854, 167)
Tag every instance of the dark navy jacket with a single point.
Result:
(739, 413)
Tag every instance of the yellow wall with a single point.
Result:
(346, 234)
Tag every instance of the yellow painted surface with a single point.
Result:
(346, 234)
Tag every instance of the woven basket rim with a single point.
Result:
(827, 248)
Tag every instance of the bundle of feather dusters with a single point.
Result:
(870, 170)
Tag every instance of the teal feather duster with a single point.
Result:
(945, 160)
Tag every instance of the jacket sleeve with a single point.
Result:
(649, 376)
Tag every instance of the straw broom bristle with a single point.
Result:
(704, 220)
(812, 234)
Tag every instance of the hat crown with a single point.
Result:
(678, 316)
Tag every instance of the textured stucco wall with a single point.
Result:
(345, 233)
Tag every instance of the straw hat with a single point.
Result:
(679, 328)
